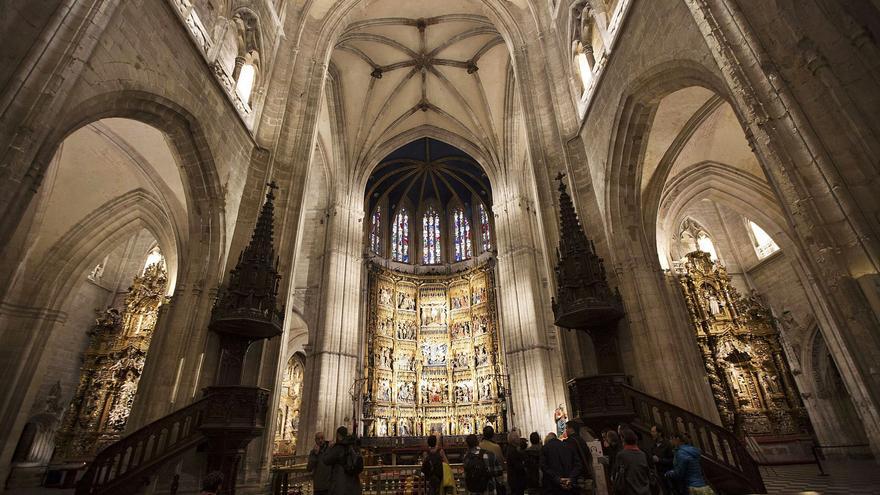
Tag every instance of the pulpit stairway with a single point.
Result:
(229, 415)
(585, 302)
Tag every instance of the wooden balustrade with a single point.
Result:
(608, 400)
(136, 455)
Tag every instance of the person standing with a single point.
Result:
(561, 470)
(516, 464)
(686, 471)
(533, 464)
(482, 469)
(432, 467)
(631, 471)
(661, 454)
(488, 443)
(320, 471)
(582, 453)
(346, 463)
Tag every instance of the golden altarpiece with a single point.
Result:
(740, 343)
(111, 369)
(287, 416)
(433, 355)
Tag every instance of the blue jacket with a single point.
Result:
(686, 467)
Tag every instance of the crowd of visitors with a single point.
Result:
(556, 466)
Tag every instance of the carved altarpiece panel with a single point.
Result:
(111, 369)
(289, 403)
(739, 340)
(433, 357)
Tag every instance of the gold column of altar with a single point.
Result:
(750, 378)
(433, 357)
(111, 369)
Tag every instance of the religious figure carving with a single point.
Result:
(741, 352)
(560, 417)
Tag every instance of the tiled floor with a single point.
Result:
(844, 478)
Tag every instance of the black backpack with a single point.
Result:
(476, 473)
(432, 468)
(354, 462)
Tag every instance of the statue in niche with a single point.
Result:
(406, 302)
(406, 330)
(433, 315)
(714, 306)
(385, 296)
(403, 428)
(384, 391)
(485, 388)
(407, 392)
(434, 354)
(560, 417)
(482, 355)
(382, 427)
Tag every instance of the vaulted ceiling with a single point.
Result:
(403, 66)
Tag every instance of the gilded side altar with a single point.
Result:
(111, 369)
(433, 356)
(740, 343)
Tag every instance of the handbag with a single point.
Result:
(448, 483)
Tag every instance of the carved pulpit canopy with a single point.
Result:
(583, 299)
(249, 307)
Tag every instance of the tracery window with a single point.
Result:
(485, 236)
(400, 237)
(461, 227)
(431, 237)
(376, 231)
(762, 242)
(245, 84)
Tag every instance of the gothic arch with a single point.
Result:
(623, 199)
(198, 173)
(724, 184)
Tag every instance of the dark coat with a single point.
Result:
(634, 463)
(516, 470)
(533, 467)
(582, 454)
(558, 461)
(341, 483)
(320, 471)
(664, 452)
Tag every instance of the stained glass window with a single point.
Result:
(485, 238)
(376, 231)
(461, 228)
(400, 237)
(431, 237)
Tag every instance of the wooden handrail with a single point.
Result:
(136, 454)
(610, 399)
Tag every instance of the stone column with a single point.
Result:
(532, 353)
(333, 356)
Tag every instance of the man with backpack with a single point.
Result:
(482, 470)
(346, 463)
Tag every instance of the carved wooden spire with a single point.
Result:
(249, 305)
(583, 298)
